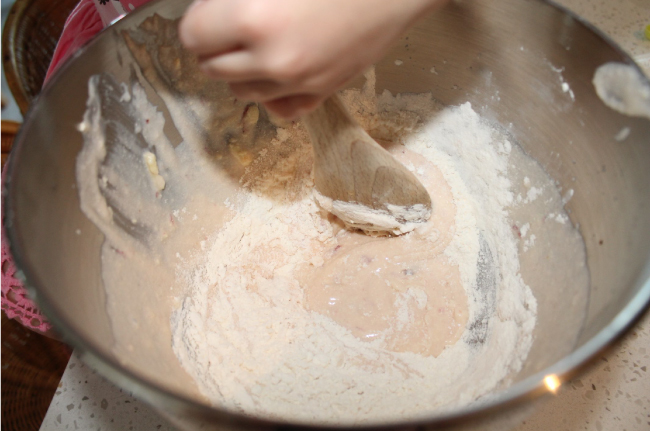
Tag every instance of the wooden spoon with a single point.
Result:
(368, 188)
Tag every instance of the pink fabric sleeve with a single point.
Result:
(87, 19)
(83, 23)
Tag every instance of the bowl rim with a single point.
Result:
(151, 391)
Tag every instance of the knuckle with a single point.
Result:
(192, 31)
(252, 19)
(317, 83)
(289, 67)
(187, 31)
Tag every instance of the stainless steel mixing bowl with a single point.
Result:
(509, 58)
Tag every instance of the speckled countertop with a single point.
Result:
(612, 394)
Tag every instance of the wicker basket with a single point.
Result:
(9, 131)
(32, 366)
(30, 34)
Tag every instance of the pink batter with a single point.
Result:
(402, 289)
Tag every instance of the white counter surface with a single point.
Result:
(613, 393)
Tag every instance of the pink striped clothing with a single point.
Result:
(87, 19)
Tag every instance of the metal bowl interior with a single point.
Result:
(508, 58)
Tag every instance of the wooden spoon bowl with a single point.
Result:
(368, 188)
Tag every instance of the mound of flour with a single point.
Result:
(243, 331)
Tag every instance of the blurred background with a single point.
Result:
(10, 109)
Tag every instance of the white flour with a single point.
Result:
(221, 234)
(245, 336)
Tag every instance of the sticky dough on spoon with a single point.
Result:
(396, 219)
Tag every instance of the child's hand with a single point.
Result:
(292, 54)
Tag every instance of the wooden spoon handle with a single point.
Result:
(332, 131)
(329, 123)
